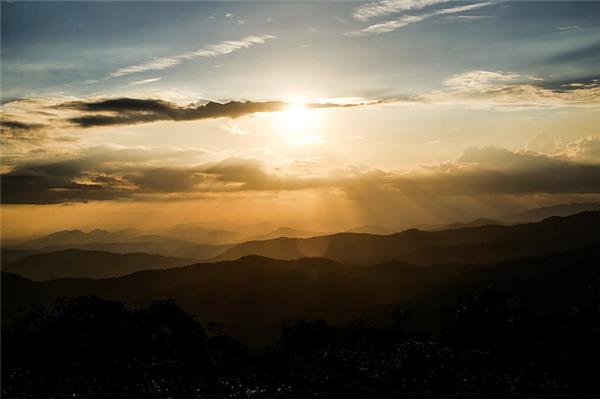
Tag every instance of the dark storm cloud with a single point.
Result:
(18, 125)
(51, 183)
(78, 181)
(98, 174)
(123, 111)
(479, 171)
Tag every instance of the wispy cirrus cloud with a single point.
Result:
(383, 8)
(145, 81)
(405, 20)
(214, 50)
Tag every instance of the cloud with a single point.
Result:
(405, 20)
(215, 50)
(145, 81)
(234, 128)
(124, 111)
(584, 150)
(99, 173)
(479, 80)
(479, 89)
(508, 89)
(492, 170)
(544, 143)
(10, 125)
(468, 17)
(383, 8)
(121, 174)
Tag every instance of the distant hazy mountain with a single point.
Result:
(125, 241)
(478, 244)
(254, 296)
(371, 229)
(560, 210)
(283, 232)
(10, 255)
(75, 263)
(472, 224)
(165, 247)
(202, 234)
(77, 237)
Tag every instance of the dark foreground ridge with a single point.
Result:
(521, 328)
(491, 345)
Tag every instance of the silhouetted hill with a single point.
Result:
(283, 232)
(472, 224)
(197, 245)
(478, 244)
(371, 229)
(75, 263)
(559, 210)
(165, 247)
(254, 296)
(10, 255)
(201, 234)
(77, 237)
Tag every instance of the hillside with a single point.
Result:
(558, 210)
(76, 263)
(166, 247)
(254, 296)
(76, 237)
(283, 232)
(477, 244)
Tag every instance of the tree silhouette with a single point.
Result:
(493, 345)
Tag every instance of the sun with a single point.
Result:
(298, 123)
(296, 118)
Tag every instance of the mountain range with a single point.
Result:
(254, 296)
(479, 244)
(76, 263)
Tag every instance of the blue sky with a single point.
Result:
(56, 47)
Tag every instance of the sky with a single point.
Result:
(320, 114)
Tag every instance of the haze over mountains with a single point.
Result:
(559, 210)
(255, 287)
(480, 241)
(76, 263)
(479, 244)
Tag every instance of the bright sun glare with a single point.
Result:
(296, 118)
(298, 122)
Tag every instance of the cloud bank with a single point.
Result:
(105, 174)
